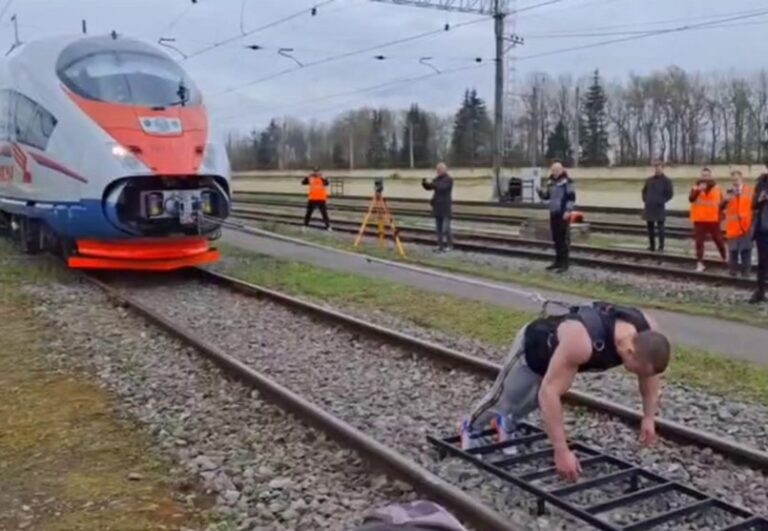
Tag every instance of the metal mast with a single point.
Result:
(500, 11)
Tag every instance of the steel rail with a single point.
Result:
(594, 209)
(458, 243)
(595, 226)
(670, 429)
(390, 461)
(503, 239)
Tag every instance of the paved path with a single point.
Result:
(735, 339)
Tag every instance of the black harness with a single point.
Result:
(599, 319)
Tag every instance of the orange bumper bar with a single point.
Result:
(144, 255)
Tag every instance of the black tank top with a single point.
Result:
(599, 320)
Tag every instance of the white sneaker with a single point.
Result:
(330, 229)
(700, 267)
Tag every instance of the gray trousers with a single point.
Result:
(514, 394)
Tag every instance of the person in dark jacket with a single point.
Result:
(657, 192)
(760, 210)
(442, 206)
(561, 195)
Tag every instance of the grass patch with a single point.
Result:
(441, 312)
(65, 457)
(487, 323)
(621, 293)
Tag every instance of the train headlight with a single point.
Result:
(154, 204)
(126, 158)
(210, 158)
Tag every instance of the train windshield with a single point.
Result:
(131, 78)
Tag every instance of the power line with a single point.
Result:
(597, 30)
(346, 55)
(312, 10)
(653, 33)
(373, 88)
(173, 23)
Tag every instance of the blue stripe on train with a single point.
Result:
(77, 220)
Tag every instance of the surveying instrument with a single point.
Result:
(384, 219)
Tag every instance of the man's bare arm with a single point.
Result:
(650, 387)
(574, 348)
(555, 384)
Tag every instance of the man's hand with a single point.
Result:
(567, 216)
(567, 464)
(648, 432)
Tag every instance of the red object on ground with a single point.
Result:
(577, 217)
(144, 255)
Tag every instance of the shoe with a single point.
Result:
(465, 434)
(732, 272)
(449, 249)
(562, 269)
(438, 250)
(329, 229)
(552, 267)
(700, 268)
(757, 298)
(504, 433)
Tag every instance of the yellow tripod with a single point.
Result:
(384, 219)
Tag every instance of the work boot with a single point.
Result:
(757, 297)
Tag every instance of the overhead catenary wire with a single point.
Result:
(372, 88)
(689, 27)
(345, 55)
(269, 25)
(653, 33)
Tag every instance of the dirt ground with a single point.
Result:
(67, 459)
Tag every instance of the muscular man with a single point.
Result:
(545, 358)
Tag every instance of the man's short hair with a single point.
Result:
(706, 168)
(653, 348)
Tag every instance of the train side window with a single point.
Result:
(40, 129)
(24, 113)
(33, 129)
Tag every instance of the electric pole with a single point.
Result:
(577, 141)
(499, 10)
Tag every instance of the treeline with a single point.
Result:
(682, 117)
(371, 138)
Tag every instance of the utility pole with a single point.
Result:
(85, 27)
(577, 135)
(499, 10)
(410, 142)
(534, 136)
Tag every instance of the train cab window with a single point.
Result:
(130, 78)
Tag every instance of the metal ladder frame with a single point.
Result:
(625, 471)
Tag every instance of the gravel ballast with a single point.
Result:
(724, 416)
(264, 470)
(399, 397)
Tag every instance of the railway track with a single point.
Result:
(619, 211)
(360, 206)
(423, 480)
(640, 262)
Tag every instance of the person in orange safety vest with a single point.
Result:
(737, 206)
(705, 199)
(318, 196)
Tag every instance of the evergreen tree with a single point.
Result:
(559, 145)
(422, 156)
(267, 156)
(377, 143)
(592, 126)
(472, 132)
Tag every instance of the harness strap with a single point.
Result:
(589, 316)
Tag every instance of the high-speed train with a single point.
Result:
(107, 154)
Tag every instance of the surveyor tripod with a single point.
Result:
(384, 221)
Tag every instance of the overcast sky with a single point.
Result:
(349, 25)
